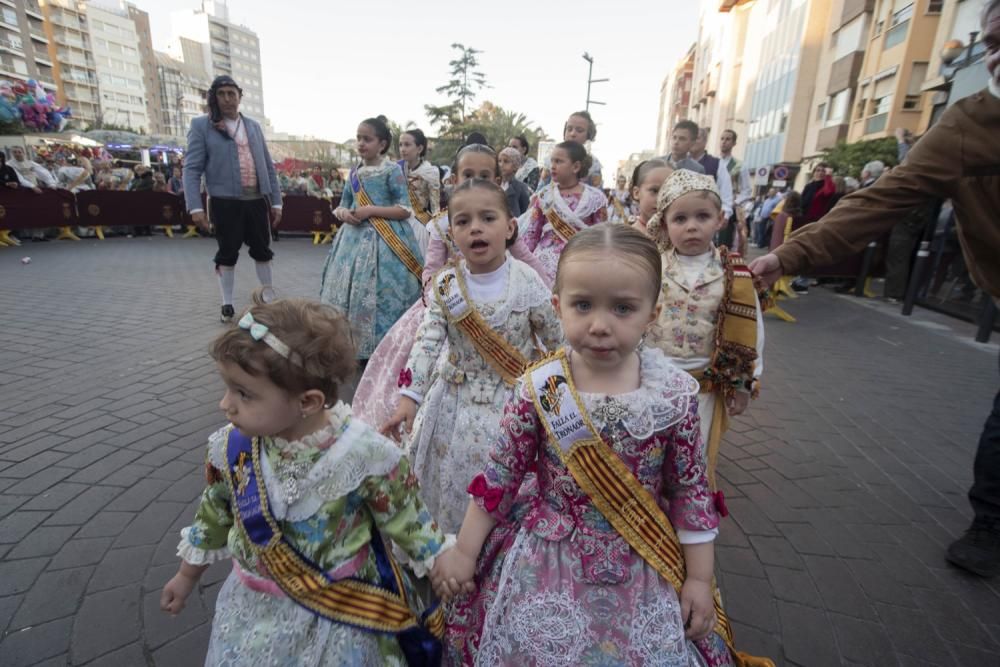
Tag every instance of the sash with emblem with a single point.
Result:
(385, 230)
(611, 486)
(381, 607)
(451, 293)
(419, 212)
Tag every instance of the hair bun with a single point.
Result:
(382, 118)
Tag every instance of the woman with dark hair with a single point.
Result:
(372, 274)
(529, 170)
(422, 177)
(581, 128)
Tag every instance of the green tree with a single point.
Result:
(465, 82)
(497, 124)
(848, 159)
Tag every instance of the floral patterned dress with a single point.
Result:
(331, 492)
(377, 393)
(566, 588)
(363, 277)
(461, 396)
(578, 210)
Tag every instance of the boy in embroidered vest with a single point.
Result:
(711, 324)
(303, 499)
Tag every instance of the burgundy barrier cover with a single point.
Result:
(22, 208)
(301, 213)
(116, 208)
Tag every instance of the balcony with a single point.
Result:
(854, 8)
(17, 48)
(876, 124)
(38, 35)
(844, 72)
(830, 136)
(32, 9)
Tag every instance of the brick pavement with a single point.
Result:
(846, 480)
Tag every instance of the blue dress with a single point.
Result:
(363, 277)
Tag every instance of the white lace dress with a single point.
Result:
(460, 393)
(330, 493)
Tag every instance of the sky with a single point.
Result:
(328, 65)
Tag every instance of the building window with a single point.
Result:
(837, 108)
(821, 112)
(10, 17)
(898, 27)
(914, 94)
(935, 6)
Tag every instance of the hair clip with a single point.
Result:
(260, 332)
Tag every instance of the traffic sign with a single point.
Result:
(761, 173)
(781, 172)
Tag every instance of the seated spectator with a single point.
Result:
(176, 182)
(160, 183)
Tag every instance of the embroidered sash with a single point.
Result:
(611, 486)
(419, 212)
(732, 364)
(373, 607)
(451, 293)
(385, 230)
(563, 229)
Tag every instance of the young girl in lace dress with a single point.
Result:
(563, 207)
(647, 178)
(488, 308)
(573, 584)
(378, 391)
(296, 486)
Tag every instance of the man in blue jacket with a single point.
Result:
(228, 149)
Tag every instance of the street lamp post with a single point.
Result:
(590, 79)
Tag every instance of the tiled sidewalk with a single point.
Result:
(846, 480)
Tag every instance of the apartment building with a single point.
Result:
(154, 106)
(896, 62)
(957, 65)
(71, 54)
(183, 90)
(24, 44)
(120, 73)
(224, 48)
(675, 99)
(841, 57)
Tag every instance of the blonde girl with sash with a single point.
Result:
(612, 561)
(711, 324)
(303, 500)
(647, 178)
(372, 273)
(378, 390)
(563, 207)
(491, 311)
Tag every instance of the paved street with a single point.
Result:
(845, 482)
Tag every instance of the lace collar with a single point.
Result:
(338, 418)
(662, 399)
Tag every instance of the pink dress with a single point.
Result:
(557, 584)
(577, 210)
(377, 393)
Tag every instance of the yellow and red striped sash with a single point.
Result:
(348, 601)
(451, 293)
(419, 212)
(388, 234)
(563, 229)
(611, 486)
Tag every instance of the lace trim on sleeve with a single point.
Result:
(197, 556)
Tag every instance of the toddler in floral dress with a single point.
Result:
(303, 499)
